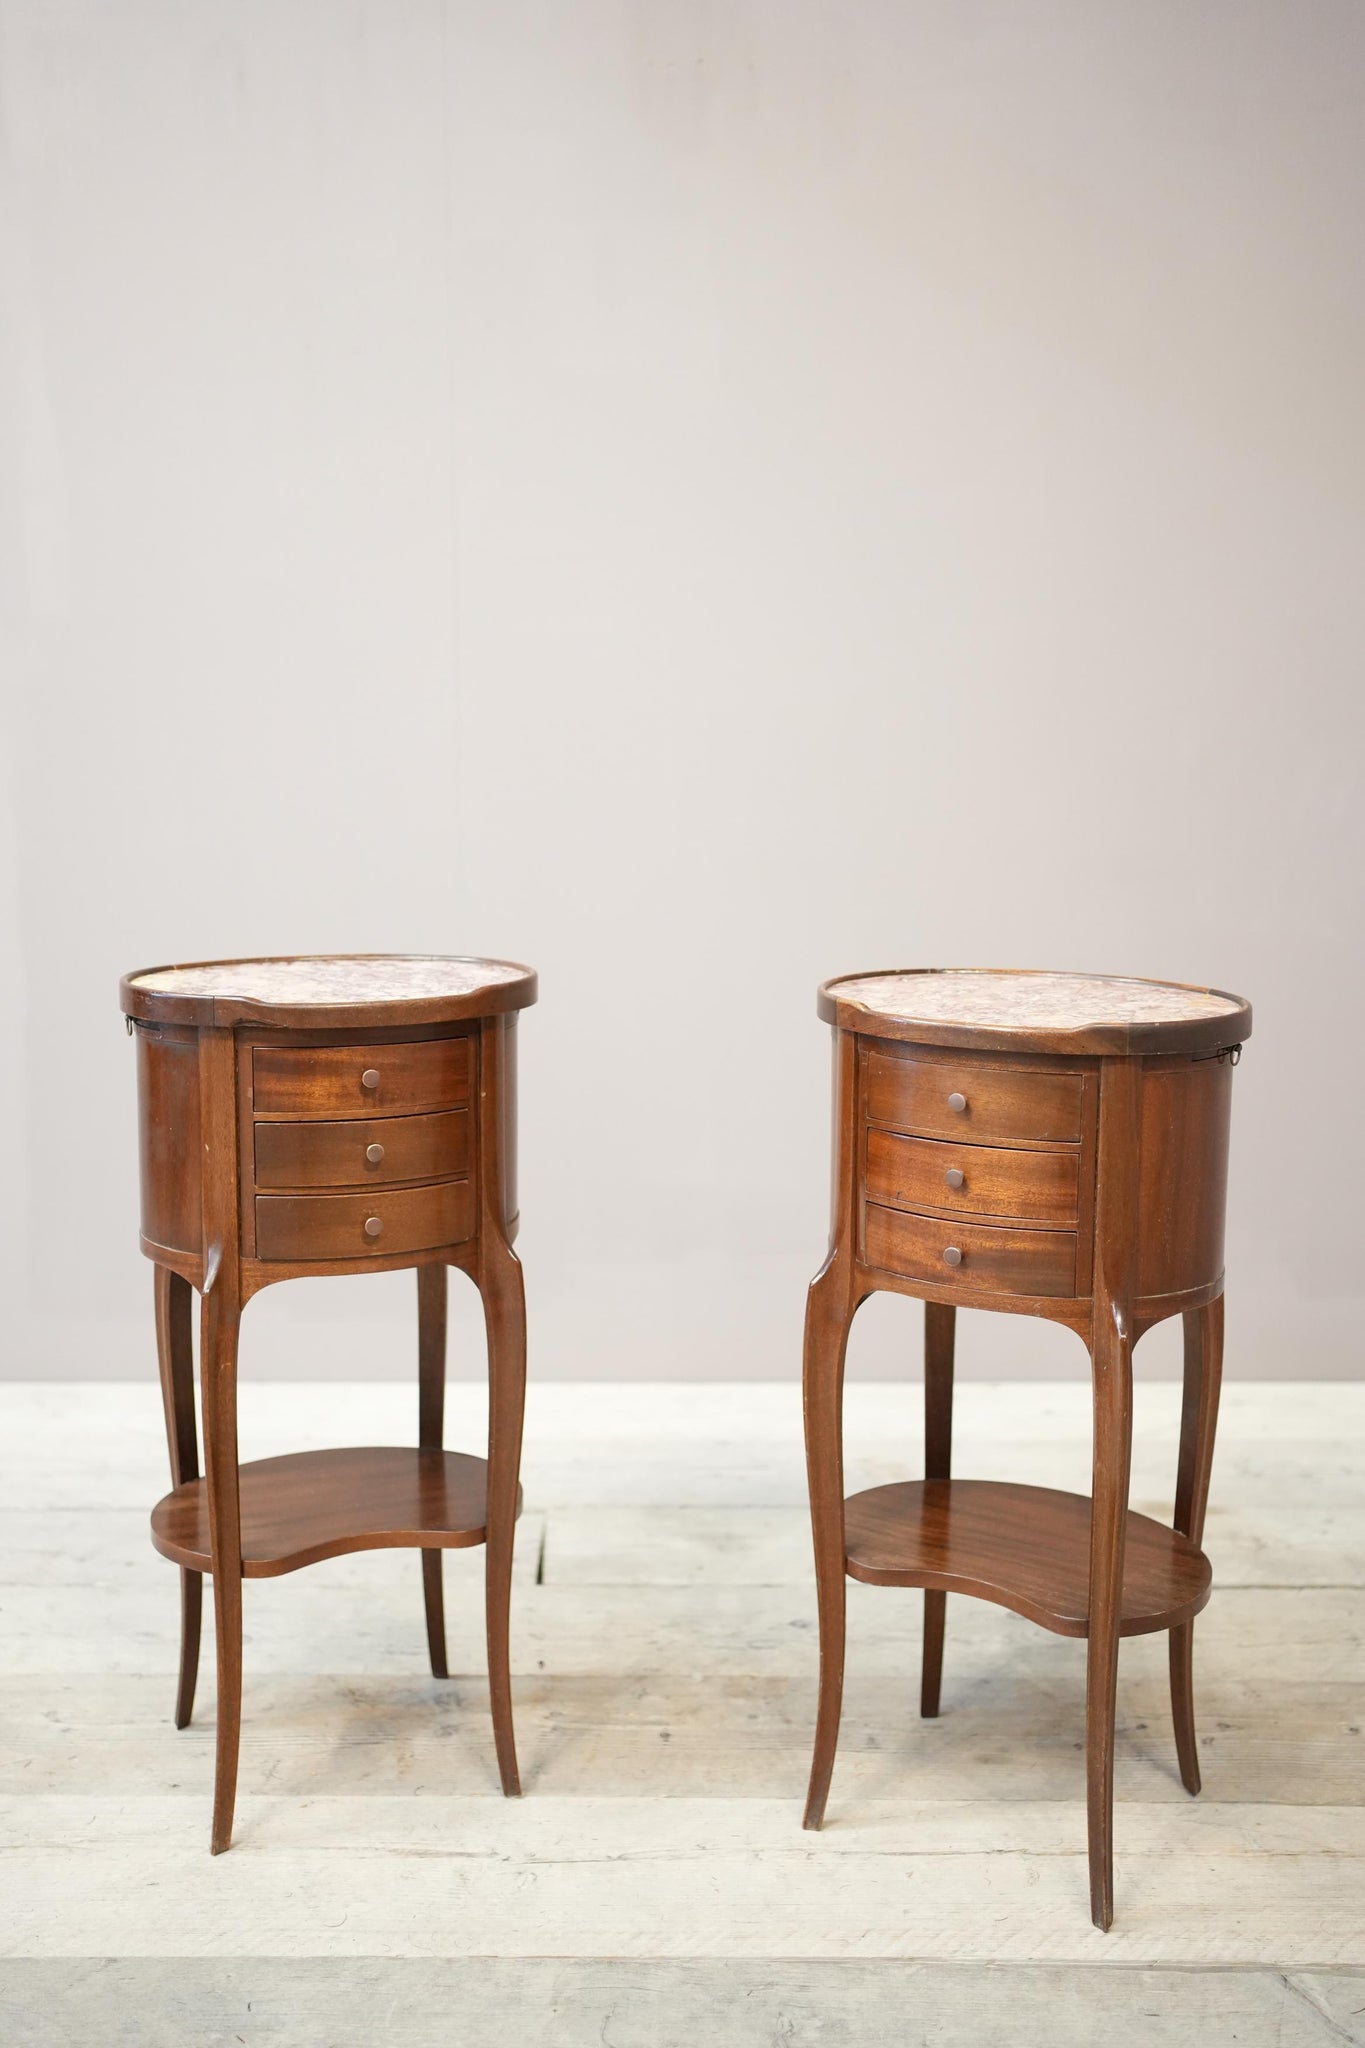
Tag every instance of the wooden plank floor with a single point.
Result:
(655, 1886)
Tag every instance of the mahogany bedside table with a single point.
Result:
(335, 1115)
(1049, 1145)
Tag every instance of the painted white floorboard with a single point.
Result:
(647, 1877)
(664, 1648)
(307, 1622)
(1016, 1732)
(414, 2002)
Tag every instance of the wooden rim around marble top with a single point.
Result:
(220, 992)
(1037, 1010)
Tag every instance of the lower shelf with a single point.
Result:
(1025, 1547)
(315, 1504)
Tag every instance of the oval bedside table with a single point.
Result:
(1048, 1145)
(346, 1114)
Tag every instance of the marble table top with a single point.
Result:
(327, 990)
(323, 978)
(988, 1001)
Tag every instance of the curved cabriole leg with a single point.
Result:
(1182, 1704)
(1198, 1422)
(191, 1626)
(504, 1307)
(431, 1392)
(830, 1308)
(220, 1317)
(940, 1323)
(175, 1359)
(1111, 1362)
(1111, 1368)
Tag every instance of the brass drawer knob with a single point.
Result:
(370, 1078)
(956, 1101)
(951, 1257)
(375, 1224)
(955, 1176)
(374, 1153)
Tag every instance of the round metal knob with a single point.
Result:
(374, 1153)
(951, 1257)
(956, 1101)
(954, 1176)
(375, 1224)
(370, 1078)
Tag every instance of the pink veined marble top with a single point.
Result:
(1043, 1002)
(332, 978)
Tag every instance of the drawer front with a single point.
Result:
(333, 1226)
(999, 1104)
(338, 1155)
(360, 1080)
(972, 1180)
(995, 1259)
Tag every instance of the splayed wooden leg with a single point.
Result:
(940, 1323)
(1198, 1424)
(431, 1390)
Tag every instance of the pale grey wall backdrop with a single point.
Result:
(699, 498)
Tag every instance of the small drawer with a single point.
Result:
(360, 1080)
(340, 1155)
(977, 1105)
(972, 1180)
(334, 1226)
(994, 1259)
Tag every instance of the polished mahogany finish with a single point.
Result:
(372, 1152)
(973, 1104)
(302, 1227)
(973, 1180)
(400, 1079)
(322, 1116)
(1024, 1547)
(990, 1257)
(309, 1505)
(1050, 1145)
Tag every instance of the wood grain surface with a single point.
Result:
(337, 1155)
(973, 1180)
(329, 1081)
(1000, 1105)
(994, 1258)
(308, 1505)
(1024, 1547)
(309, 1227)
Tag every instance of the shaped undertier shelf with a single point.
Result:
(1025, 1547)
(315, 1504)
